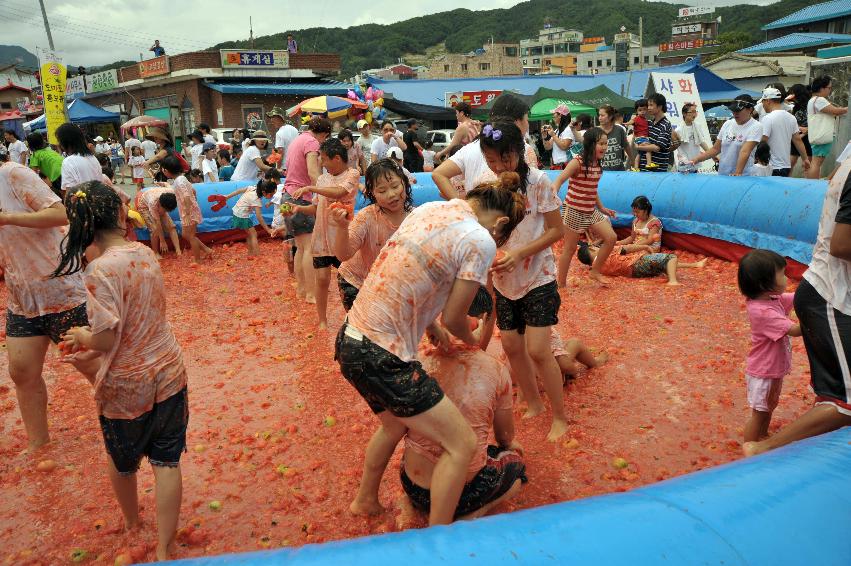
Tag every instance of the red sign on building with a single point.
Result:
(154, 67)
(478, 98)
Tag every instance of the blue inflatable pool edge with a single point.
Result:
(757, 212)
(791, 506)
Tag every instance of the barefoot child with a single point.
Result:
(140, 387)
(187, 205)
(251, 200)
(527, 299)
(574, 351)
(137, 163)
(583, 208)
(762, 280)
(358, 241)
(640, 263)
(436, 261)
(646, 228)
(153, 205)
(339, 184)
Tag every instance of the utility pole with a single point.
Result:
(641, 42)
(251, 32)
(46, 25)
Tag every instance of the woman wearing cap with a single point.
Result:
(736, 141)
(251, 166)
(561, 138)
(165, 147)
(821, 117)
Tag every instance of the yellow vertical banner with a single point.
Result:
(53, 77)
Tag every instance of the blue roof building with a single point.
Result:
(832, 17)
(806, 43)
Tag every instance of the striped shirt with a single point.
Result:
(582, 188)
(660, 135)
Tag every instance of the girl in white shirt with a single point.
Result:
(79, 164)
(18, 152)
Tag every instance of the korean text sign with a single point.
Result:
(53, 79)
(679, 89)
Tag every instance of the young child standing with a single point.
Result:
(140, 387)
(434, 263)
(428, 157)
(225, 168)
(359, 240)
(762, 160)
(762, 280)
(251, 200)
(187, 205)
(583, 208)
(337, 186)
(527, 299)
(641, 131)
(209, 168)
(137, 163)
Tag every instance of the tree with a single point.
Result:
(733, 41)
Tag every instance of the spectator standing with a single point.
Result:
(285, 133)
(129, 144)
(659, 143)
(467, 131)
(292, 45)
(208, 136)
(413, 157)
(101, 147)
(560, 138)
(18, 151)
(821, 117)
(780, 130)
(618, 150)
(737, 140)
(692, 140)
(158, 49)
(364, 142)
(45, 160)
(149, 148)
(799, 95)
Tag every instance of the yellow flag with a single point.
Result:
(53, 77)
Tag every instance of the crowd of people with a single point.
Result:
(450, 271)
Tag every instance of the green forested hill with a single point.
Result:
(372, 45)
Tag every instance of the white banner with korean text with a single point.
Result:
(680, 89)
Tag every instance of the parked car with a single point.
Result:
(440, 138)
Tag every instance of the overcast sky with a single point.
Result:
(97, 32)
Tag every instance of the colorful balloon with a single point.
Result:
(368, 117)
(379, 102)
(351, 95)
(369, 93)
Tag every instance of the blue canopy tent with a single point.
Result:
(430, 93)
(79, 112)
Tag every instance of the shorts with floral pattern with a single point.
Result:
(651, 265)
(386, 382)
(539, 308)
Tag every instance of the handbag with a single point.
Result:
(821, 128)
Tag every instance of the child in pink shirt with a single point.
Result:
(762, 280)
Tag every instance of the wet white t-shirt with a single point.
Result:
(78, 169)
(732, 137)
(246, 168)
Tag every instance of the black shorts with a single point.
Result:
(827, 338)
(501, 470)
(298, 223)
(386, 382)
(807, 147)
(482, 303)
(539, 307)
(325, 261)
(159, 434)
(348, 292)
(781, 172)
(51, 325)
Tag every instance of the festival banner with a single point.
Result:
(154, 67)
(679, 88)
(251, 59)
(75, 87)
(53, 79)
(104, 80)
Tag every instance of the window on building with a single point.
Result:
(463, 66)
(484, 66)
(655, 57)
(599, 62)
(525, 61)
(635, 60)
(608, 62)
(549, 49)
(511, 52)
(6, 105)
(536, 61)
(446, 68)
(647, 58)
(590, 64)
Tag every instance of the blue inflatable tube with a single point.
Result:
(788, 507)
(757, 212)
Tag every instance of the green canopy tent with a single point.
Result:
(545, 100)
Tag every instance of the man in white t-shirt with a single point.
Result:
(780, 130)
(101, 148)
(205, 129)
(285, 133)
(389, 138)
(737, 140)
(365, 140)
(150, 148)
(196, 150)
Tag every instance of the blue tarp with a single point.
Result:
(631, 84)
(787, 507)
(80, 112)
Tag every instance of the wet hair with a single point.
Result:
(386, 169)
(91, 207)
(642, 203)
(319, 125)
(583, 254)
(35, 141)
(583, 121)
(464, 108)
(589, 146)
(508, 107)
(609, 110)
(504, 197)
(482, 303)
(820, 83)
(658, 99)
(265, 187)
(346, 135)
(224, 154)
(641, 103)
(168, 201)
(171, 164)
(195, 174)
(71, 140)
(758, 272)
(272, 175)
(762, 153)
(511, 141)
(332, 147)
(802, 96)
